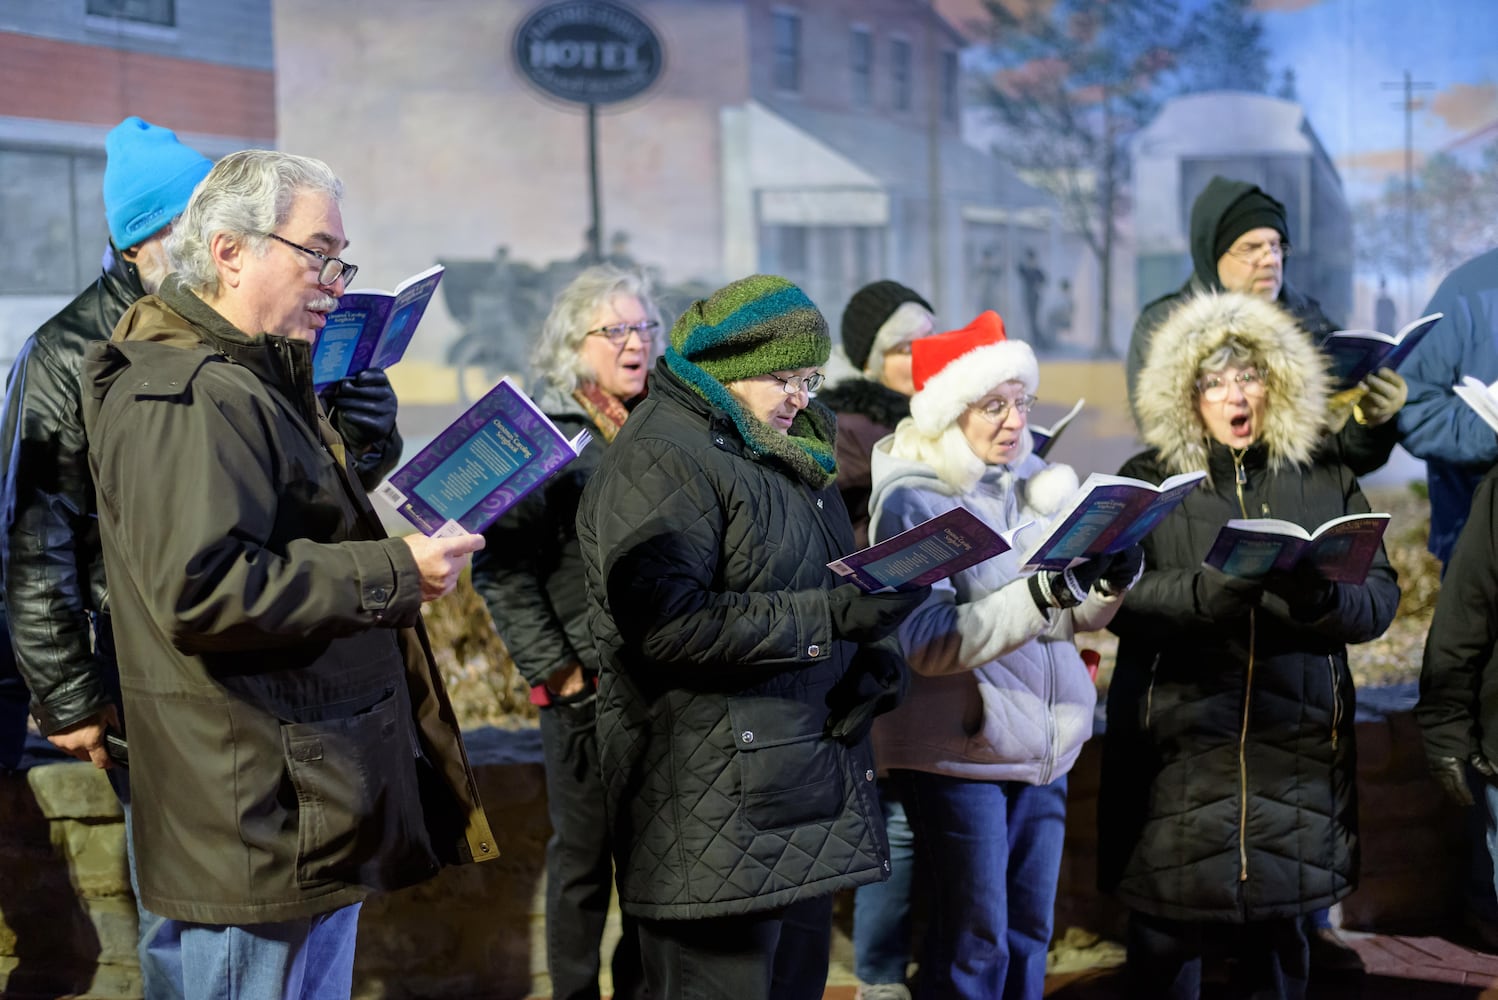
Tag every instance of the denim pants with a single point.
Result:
(1165, 957)
(158, 940)
(779, 954)
(993, 853)
(309, 959)
(579, 865)
(881, 910)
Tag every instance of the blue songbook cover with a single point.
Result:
(1106, 515)
(371, 328)
(1356, 353)
(481, 465)
(932, 550)
(1340, 550)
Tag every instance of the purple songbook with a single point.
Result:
(481, 465)
(932, 550)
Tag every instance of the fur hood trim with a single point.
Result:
(1296, 380)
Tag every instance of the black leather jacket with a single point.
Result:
(49, 539)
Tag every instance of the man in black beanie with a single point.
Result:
(1239, 242)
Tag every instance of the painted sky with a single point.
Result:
(1344, 52)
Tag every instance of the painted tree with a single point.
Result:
(1454, 217)
(1072, 80)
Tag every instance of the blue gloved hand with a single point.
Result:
(363, 408)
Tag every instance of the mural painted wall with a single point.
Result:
(835, 141)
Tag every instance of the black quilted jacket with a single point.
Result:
(1228, 786)
(707, 586)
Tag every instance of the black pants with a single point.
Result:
(579, 866)
(779, 954)
(1165, 957)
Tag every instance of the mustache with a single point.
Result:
(323, 304)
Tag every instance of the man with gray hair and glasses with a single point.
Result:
(292, 747)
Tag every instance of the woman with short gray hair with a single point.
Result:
(590, 365)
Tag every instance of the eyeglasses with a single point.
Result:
(995, 410)
(1214, 388)
(618, 333)
(811, 383)
(1250, 252)
(332, 268)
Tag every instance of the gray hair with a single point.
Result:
(557, 357)
(900, 328)
(1233, 353)
(248, 194)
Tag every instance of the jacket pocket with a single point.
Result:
(789, 773)
(359, 816)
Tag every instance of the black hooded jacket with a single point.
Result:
(1229, 763)
(1365, 448)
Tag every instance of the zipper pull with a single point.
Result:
(1264, 509)
(1241, 472)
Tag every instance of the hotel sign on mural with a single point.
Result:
(588, 51)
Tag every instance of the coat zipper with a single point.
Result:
(1149, 696)
(1240, 477)
(1336, 698)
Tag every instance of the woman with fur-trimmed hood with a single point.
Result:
(1000, 702)
(1228, 805)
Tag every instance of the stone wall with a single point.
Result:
(476, 932)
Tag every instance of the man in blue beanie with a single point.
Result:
(54, 569)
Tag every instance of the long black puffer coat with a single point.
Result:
(721, 680)
(1229, 765)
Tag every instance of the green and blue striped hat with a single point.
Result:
(754, 326)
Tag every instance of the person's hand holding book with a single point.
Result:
(1384, 395)
(363, 408)
(1305, 591)
(441, 560)
(860, 617)
(1221, 597)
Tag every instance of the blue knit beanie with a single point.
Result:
(148, 178)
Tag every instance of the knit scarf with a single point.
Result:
(604, 409)
(806, 451)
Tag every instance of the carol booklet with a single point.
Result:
(1045, 437)
(1340, 550)
(371, 328)
(1356, 353)
(481, 465)
(932, 550)
(1107, 514)
(1481, 397)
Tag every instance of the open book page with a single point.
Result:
(932, 550)
(481, 465)
(1045, 437)
(371, 328)
(1356, 353)
(1481, 397)
(1108, 514)
(1341, 550)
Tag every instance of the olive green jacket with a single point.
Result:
(291, 744)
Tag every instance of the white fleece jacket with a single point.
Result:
(999, 692)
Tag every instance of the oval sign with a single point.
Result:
(588, 51)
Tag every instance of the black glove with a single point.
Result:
(1123, 571)
(1067, 588)
(1221, 597)
(860, 617)
(363, 408)
(1451, 775)
(1305, 592)
(874, 684)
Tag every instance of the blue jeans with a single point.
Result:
(1165, 957)
(993, 851)
(158, 940)
(308, 959)
(881, 910)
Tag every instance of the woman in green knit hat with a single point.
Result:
(738, 681)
